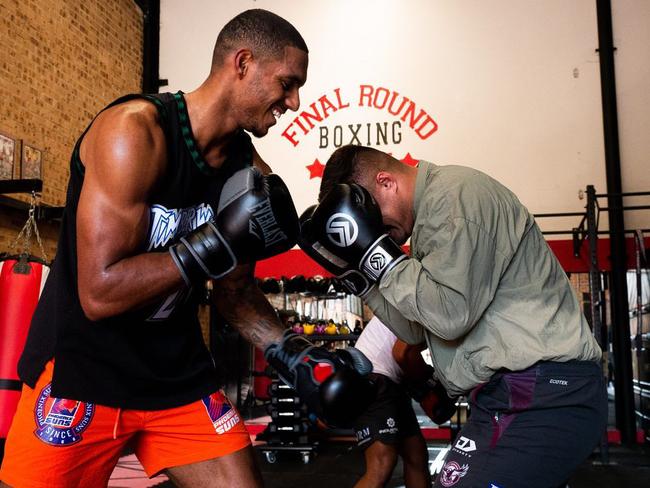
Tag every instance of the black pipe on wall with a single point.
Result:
(151, 45)
(621, 344)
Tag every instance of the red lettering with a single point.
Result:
(380, 92)
(380, 98)
(366, 92)
(411, 111)
(304, 129)
(434, 127)
(338, 98)
(326, 105)
(290, 135)
(307, 116)
(392, 100)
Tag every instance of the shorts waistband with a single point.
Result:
(585, 368)
(574, 367)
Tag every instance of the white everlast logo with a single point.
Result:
(262, 219)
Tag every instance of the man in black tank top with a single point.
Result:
(165, 192)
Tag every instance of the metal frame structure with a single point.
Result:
(621, 337)
(43, 212)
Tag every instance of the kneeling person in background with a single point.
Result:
(389, 427)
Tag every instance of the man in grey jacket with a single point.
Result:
(484, 290)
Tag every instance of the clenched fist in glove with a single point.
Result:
(255, 219)
(352, 280)
(345, 234)
(333, 385)
(420, 384)
(433, 398)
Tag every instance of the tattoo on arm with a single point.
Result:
(247, 309)
(261, 333)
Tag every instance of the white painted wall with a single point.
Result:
(513, 86)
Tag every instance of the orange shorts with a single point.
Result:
(54, 442)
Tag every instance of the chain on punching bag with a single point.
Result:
(21, 280)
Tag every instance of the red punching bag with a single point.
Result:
(262, 380)
(21, 282)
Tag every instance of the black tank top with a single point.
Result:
(153, 357)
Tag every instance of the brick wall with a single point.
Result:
(60, 62)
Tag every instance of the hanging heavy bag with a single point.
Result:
(22, 277)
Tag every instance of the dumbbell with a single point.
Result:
(291, 400)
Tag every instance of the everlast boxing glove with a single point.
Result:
(345, 233)
(255, 219)
(351, 280)
(333, 385)
(433, 399)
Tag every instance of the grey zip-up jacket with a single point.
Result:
(482, 286)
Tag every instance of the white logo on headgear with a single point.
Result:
(342, 229)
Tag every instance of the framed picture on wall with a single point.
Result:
(31, 166)
(8, 155)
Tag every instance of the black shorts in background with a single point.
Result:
(390, 418)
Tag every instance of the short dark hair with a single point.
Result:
(354, 164)
(265, 32)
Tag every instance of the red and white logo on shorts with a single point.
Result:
(60, 422)
(221, 412)
(452, 472)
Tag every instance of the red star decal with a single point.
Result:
(408, 159)
(315, 169)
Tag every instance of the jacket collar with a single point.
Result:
(424, 170)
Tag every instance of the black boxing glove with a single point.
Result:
(255, 219)
(333, 385)
(351, 280)
(345, 234)
(433, 399)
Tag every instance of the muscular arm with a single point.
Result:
(409, 359)
(124, 156)
(242, 304)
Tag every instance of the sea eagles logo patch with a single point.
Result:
(221, 412)
(61, 422)
(452, 472)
